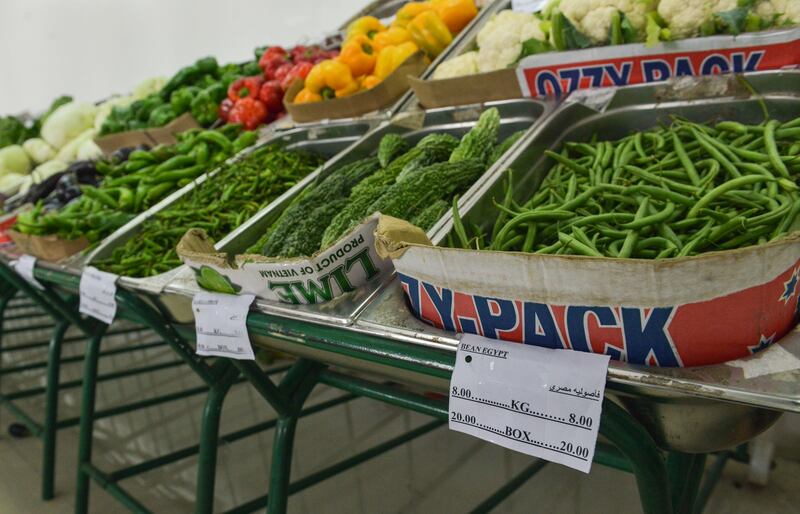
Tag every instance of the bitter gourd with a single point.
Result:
(428, 217)
(503, 147)
(390, 147)
(438, 181)
(478, 142)
(432, 148)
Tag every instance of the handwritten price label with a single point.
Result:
(542, 402)
(221, 325)
(98, 291)
(24, 266)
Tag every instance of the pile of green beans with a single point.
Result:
(218, 205)
(670, 192)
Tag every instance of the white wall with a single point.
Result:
(93, 48)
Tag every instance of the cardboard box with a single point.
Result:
(150, 136)
(691, 311)
(380, 97)
(469, 89)
(559, 73)
(50, 248)
(343, 267)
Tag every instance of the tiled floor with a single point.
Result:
(440, 472)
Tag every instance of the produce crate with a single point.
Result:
(326, 139)
(558, 73)
(685, 311)
(259, 277)
(386, 96)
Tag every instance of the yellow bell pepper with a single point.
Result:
(410, 11)
(392, 36)
(330, 79)
(359, 55)
(370, 81)
(366, 26)
(456, 14)
(392, 57)
(430, 33)
(304, 96)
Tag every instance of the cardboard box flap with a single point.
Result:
(393, 236)
(50, 248)
(151, 136)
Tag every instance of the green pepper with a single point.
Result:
(207, 65)
(217, 92)
(179, 161)
(156, 192)
(181, 99)
(251, 68)
(215, 138)
(162, 115)
(147, 106)
(245, 139)
(204, 108)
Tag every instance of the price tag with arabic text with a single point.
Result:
(538, 401)
(221, 325)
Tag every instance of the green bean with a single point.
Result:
(578, 246)
(772, 149)
(722, 188)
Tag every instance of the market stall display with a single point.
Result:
(250, 183)
(684, 228)
(326, 234)
(371, 71)
(657, 225)
(131, 184)
(575, 44)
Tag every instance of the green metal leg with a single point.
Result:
(685, 471)
(638, 447)
(87, 420)
(209, 439)
(51, 410)
(710, 481)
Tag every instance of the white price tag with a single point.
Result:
(221, 325)
(533, 400)
(530, 6)
(593, 98)
(24, 267)
(98, 291)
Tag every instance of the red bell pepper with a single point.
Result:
(248, 111)
(282, 71)
(298, 71)
(245, 87)
(272, 96)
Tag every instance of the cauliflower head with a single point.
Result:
(593, 17)
(781, 12)
(684, 19)
(500, 40)
(464, 64)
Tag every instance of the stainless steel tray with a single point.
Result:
(327, 139)
(515, 115)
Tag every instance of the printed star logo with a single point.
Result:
(762, 343)
(790, 287)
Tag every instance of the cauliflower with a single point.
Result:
(464, 64)
(593, 17)
(684, 19)
(500, 40)
(38, 150)
(780, 12)
(67, 122)
(13, 159)
(147, 87)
